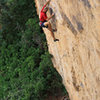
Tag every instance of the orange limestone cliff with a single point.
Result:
(77, 54)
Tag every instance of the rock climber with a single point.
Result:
(44, 20)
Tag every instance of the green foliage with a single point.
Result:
(26, 70)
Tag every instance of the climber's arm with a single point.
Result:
(50, 17)
(46, 4)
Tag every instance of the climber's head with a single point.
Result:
(45, 9)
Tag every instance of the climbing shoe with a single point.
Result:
(56, 40)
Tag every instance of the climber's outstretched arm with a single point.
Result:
(50, 17)
(48, 1)
(46, 4)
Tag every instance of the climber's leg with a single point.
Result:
(50, 29)
(48, 26)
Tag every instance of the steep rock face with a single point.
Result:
(77, 55)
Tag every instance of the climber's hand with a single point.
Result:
(53, 14)
(48, 1)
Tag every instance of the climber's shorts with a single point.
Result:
(42, 24)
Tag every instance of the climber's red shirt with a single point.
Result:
(43, 15)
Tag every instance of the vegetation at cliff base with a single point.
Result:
(26, 70)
